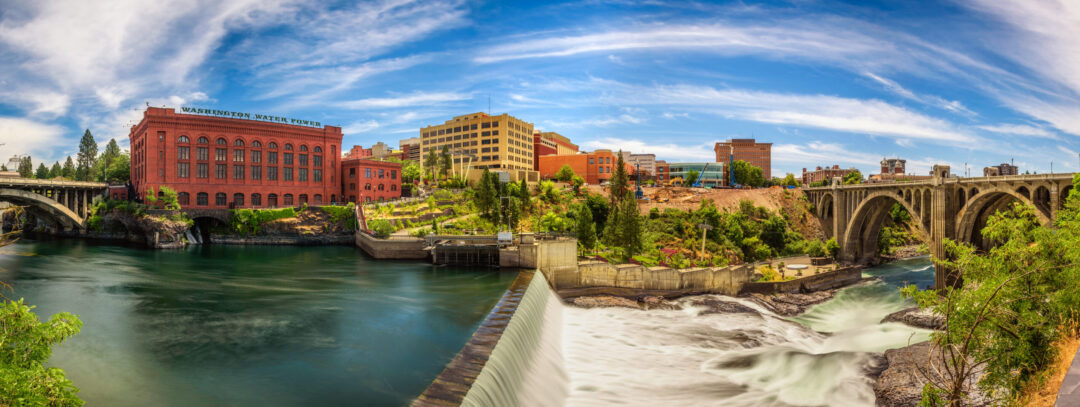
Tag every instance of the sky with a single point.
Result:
(967, 83)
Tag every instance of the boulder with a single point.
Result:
(917, 318)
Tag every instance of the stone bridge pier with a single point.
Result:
(942, 207)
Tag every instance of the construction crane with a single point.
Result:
(697, 182)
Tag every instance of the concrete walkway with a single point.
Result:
(1069, 393)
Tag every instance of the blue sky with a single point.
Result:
(968, 81)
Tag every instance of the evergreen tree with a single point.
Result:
(87, 157)
(42, 172)
(431, 161)
(630, 228)
(69, 169)
(26, 167)
(524, 197)
(484, 194)
(56, 170)
(120, 169)
(444, 161)
(108, 157)
(586, 228)
(618, 183)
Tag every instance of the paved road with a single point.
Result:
(1069, 394)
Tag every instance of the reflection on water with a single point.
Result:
(258, 325)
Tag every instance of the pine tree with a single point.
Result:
(69, 169)
(524, 197)
(586, 228)
(630, 228)
(26, 167)
(444, 161)
(87, 157)
(56, 170)
(111, 154)
(42, 172)
(617, 183)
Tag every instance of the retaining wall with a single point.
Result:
(824, 281)
(594, 277)
(395, 248)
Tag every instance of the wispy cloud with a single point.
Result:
(415, 99)
(1020, 130)
(663, 151)
(22, 136)
(936, 101)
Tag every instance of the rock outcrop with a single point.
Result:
(917, 318)
(901, 382)
(791, 304)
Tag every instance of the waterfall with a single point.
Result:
(526, 366)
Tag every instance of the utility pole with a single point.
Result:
(704, 228)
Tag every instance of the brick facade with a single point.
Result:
(746, 149)
(364, 180)
(596, 167)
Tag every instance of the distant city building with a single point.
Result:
(410, 149)
(749, 150)
(825, 174)
(1001, 169)
(482, 141)
(663, 172)
(893, 169)
(368, 180)
(357, 152)
(647, 163)
(226, 162)
(709, 174)
(596, 167)
(381, 150)
(892, 166)
(551, 143)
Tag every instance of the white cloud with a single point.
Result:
(605, 121)
(22, 136)
(360, 127)
(415, 99)
(1020, 130)
(669, 152)
(954, 106)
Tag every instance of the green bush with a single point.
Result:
(24, 378)
(381, 228)
(248, 221)
(344, 215)
(94, 223)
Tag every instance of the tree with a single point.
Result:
(600, 209)
(578, 182)
(691, 177)
(565, 173)
(789, 180)
(27, 346)
(168, 198)
(487, 195)
(87, 157)
(42, 172)
(26, 167)
(854, 177)
(585, 228)
(111, 154)
(831, 247)
(524, 197)
(431, 162)
(119, 170)
(747, 174)
(628, 234)
(69, 169)
(617, 185)
(445, 162)
(56, 170)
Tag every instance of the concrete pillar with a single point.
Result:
(1055, 200)
(938, 230)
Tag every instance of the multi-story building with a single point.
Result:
(709, 174)
(410, 149)
(479, 141)
(663, 172)
(368, 180)
(220, 159)
(596, 167)
(357, 152)
(551, 143)
(746, 149)
(893, 166)
(824, 174)
(381, 150)
(1001, 169)
(646, 162)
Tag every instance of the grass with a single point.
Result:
(1043, 390)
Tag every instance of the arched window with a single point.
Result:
(352, 186)
(256, 199)
(318, 149)
(318, 199)
(238, 199)
(183, 198)
(272, 145)
(220, 199)
(256, 144)
(382, 187)
(288, 200)
(221, 141)
(204, 140)
(367, 199)
(288, 146)
(333, 199)
(352, 198)
(367, 187)
(393, 187)
(271, 200)
(238, 143)
(202, 199)
(303, 147)
(303, 198)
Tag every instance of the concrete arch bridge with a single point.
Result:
(942, 207)
(65, 205)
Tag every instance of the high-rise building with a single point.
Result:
(749, 150)
(480, 141)
(410, 148)
(645, 162)
(219, 159)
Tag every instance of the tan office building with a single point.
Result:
(480, 141)
(749, 150)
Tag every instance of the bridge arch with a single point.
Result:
(980, 207)
(43, 207)
(860, 243)
(825, 213)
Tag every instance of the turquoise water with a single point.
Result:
(249, 326)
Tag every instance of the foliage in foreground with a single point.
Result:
(249, 221)
(25, 346)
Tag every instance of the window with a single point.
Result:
(256, 156)
(382, 173)
(352, 172)
(303, 147)
(183, 139)
(367, 172)
(382, 187)
(316, 175)
(485, 125)
(219, 171)
(318, 199)
(352, 198)
(316, 161)
(288, 147)
(221, 141)
(272, 146)
(202, 170)
(183, 198)
(219, 154)
(238, 199)
(255, 144)
(352, 186)
(288, 158)
(256, 174)
(256, 199)
(494, 132)
(238, 172)
(271, 157)
(303, 199)
(202, 199)
(204, 140)
(271, 200)
(288, 174)
(590, 161)
(183, 153)
(202, 153)
(219, 199)
(238, 156)
(288, 200)
(271, 173)
(183, 170)
(238, 143)
(303, 159)
(393, 174)
(302, 174)
(317, 149)
(367, 187)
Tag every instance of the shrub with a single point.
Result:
(344, 215)
(248, 221)
(381, 228)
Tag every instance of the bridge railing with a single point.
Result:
(50, 183)
(959, 180)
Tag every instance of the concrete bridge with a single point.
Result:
(941, 207)
(64, 204)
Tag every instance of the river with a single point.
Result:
(249, 325)
(688, 357)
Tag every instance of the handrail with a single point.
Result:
(40, 182)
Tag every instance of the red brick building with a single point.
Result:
(229, 160)
(746, 149)
(663, 172)
(824, 174)
(358, 152)
(596, 167)
(364, 180)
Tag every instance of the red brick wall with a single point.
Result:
(595, 167)
(157, 140)
(361, 180)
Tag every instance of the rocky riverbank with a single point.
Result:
(792, 304)
(917, 318)
(900, 383)
(293, 240)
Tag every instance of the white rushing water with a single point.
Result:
(689, 357)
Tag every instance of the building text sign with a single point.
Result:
(249, 116)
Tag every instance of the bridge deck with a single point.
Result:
(48, 183)
(953, 180)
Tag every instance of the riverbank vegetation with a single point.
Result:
(1011, 304)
